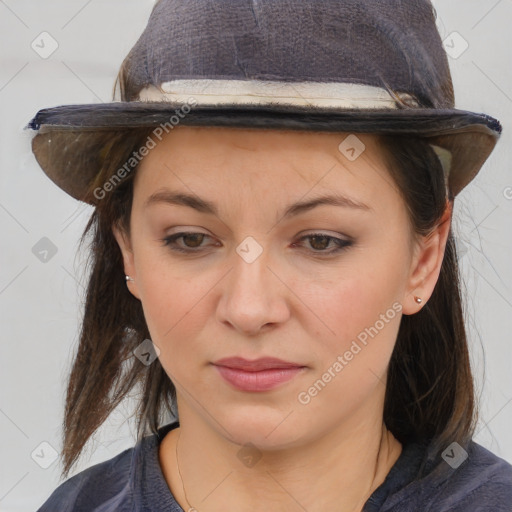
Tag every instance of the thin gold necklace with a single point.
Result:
(193, 509)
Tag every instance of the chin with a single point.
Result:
(271, 430)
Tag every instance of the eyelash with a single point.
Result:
(170, 242)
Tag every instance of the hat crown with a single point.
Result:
(390, 44)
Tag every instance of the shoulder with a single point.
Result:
(470, 480)
(482, 482)
(103, 487)
(132, 480)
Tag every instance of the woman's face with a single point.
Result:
(250, 279)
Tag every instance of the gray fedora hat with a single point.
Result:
(357, 66)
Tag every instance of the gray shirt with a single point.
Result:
(133, 482)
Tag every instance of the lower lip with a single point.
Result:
(258, 381)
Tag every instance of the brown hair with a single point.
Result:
(429, 396)
(430, 389)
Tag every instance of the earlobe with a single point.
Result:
(123, 241)
(426, 264)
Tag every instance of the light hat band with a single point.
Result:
(214, 92)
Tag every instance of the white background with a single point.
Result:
(40, 302)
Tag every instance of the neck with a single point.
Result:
(338, 471)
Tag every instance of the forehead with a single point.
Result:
(213, 158)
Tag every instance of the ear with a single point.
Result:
(426, 264)
(123, 240)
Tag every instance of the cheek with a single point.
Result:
(353, 312)
(177, 304)
(168, 305)
(170, 301)
(351, 364)
(364, 312)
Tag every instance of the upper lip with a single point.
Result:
(263, 363)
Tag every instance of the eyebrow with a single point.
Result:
(202, 205)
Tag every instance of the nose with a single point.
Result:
(254, 297)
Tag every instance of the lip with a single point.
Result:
(256, 365)
(261, 374)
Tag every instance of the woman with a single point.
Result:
(272, 262)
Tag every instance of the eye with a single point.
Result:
(320, 241)
(192, 240)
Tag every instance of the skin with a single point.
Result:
(289, 303)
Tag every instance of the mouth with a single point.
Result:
(262, 374)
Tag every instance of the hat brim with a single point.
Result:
(70, 138)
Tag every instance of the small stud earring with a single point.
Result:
(418, 300)
(128, 278)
